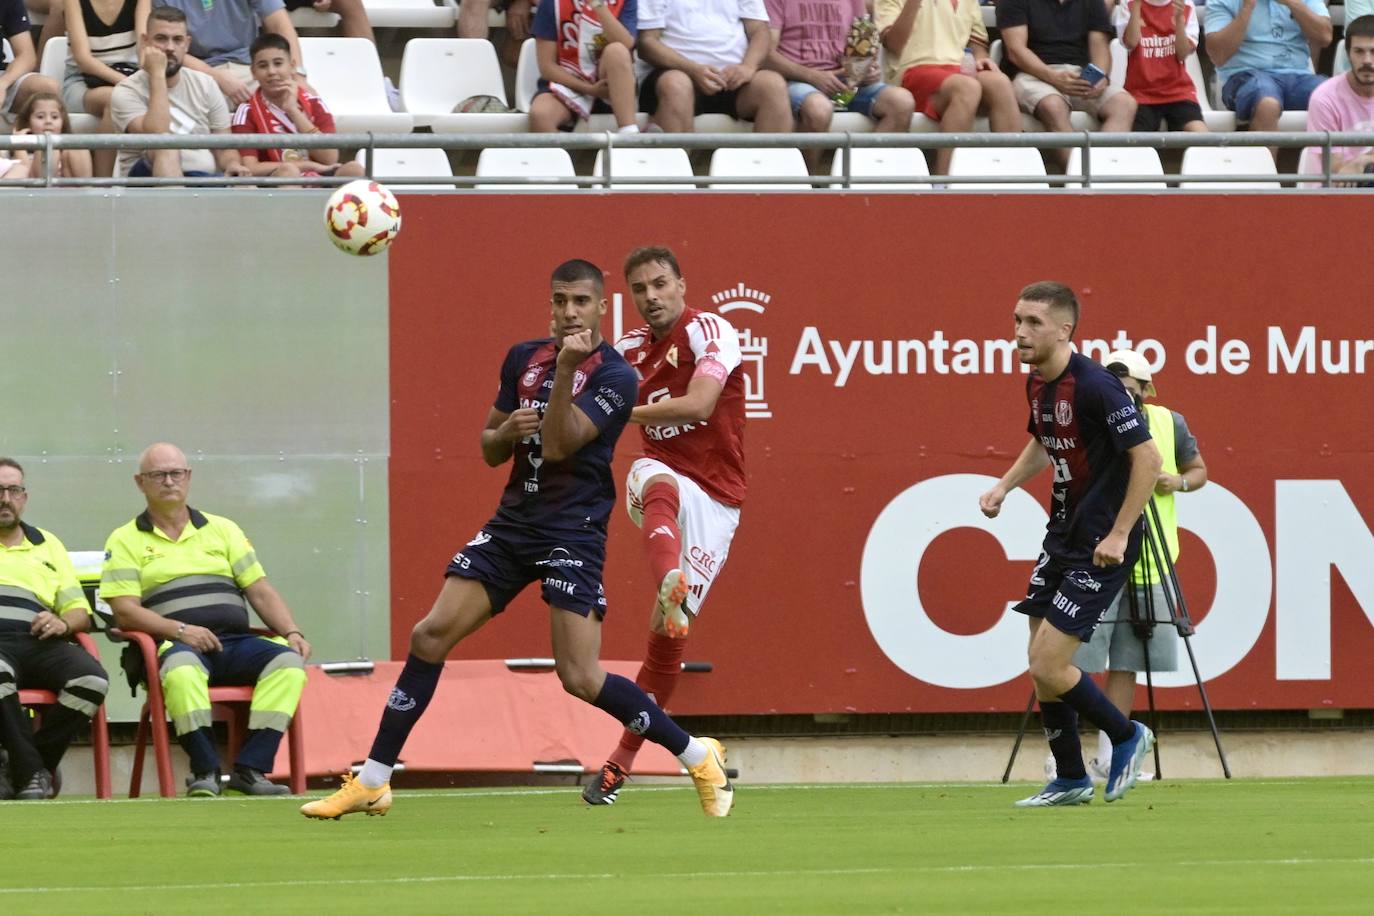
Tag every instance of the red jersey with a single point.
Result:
(1154, 74)
(710, 452)
(259, 116)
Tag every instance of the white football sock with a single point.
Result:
(1104, 748)
(693, 754)
(374, 775)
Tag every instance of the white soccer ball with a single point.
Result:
(362, 217)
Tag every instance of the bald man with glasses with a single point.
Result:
(187, 578)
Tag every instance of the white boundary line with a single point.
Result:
(675, 876)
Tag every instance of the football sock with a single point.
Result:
(412, 693)
(632, 707)
(693, 754)
(657, 677)
(1061, 730)
(1104, 747)
(662, 538)
(1092, 704)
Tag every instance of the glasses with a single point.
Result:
(13, 492)
(176, 475)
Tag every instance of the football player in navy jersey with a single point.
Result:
(1084, 426)
(562, 404)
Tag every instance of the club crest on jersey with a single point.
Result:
(531, 375)
(579, 380)
(1063, 413)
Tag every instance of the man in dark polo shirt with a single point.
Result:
(1048, 44)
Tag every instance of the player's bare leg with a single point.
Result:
(576, 643)
(460, 610)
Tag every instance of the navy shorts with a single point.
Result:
(1074, 599)
(506, 557)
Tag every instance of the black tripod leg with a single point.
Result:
(1020, 734)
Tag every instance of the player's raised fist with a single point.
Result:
(576, 347)
(991, 502)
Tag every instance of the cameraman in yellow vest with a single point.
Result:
(1115, 647)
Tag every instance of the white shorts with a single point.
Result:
(707, 526)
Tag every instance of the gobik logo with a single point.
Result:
(754, 348)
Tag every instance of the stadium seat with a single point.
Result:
(1234, 160)
(388, 165)
(526, 76)
(347, 74)
(229, 702)
(439, 73)
(647, 163)
(544, 163)
(411, 14)
(54, 64)
(731, 162)
(885, 163)
(993, 160)
(1220, 121)
(1118, 160)
(720, 124)
(307, 17)
(37, 700)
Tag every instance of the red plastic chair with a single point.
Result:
(100, 731)
(228, 703)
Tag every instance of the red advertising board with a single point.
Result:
(884, 398)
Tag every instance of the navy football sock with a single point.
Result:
(1061, 730)
(1093, 705)
(412, 693)
(624, 699)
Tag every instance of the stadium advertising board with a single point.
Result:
(885, 396)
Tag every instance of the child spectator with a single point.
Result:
(1159, 35)
(44, 113)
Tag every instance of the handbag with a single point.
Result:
(95, 82)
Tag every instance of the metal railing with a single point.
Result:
(369, 143)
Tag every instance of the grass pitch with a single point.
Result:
(1248, 846)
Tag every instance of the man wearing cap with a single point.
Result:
(1115, 647)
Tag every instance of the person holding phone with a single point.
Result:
(1049, 47)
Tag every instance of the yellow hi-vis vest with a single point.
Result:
(1161, 420)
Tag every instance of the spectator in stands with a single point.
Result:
(928, 43)
(144, 104)
(42, 114)
(222, 30)
(809, 39)
(473, 16)
(282, 106)
(703, 56)
(592, 74)
(1159, 35)
(102, 49)
(18, 77)
(1354, 9)
(1263, 54)
(353, 23)
(1048, 45)
(1346, 103)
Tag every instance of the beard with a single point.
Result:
(173, 67)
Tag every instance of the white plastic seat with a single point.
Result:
(731, 162)
(54, 64)
(438, 73)
(886, 163)
(307, 17)
(410, 14)
(1233, 160)
(720, 124)
(647, 163)
(996, 160)
(347, 74)
(549, 162)
(1118, 160)
(526, 76)
(1217, 120)
(389, 165)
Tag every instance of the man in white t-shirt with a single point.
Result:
(1346, 103)
(163, 98)
(703, 56)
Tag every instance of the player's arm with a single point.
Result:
(1192, 472)
(1032, 460)
(504, 430)
(271, 608)
(566, 427)
(1145, 465)
(695, 406)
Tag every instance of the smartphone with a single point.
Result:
(1092, 74)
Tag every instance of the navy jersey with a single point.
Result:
(578, 492)
(1086, 420)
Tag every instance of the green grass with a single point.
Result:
(1248, 846)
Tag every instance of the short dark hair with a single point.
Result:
(168, 14)
(1055, 295)
(655, 254)
(1360, 27)
(268, 40)
(11, 463)
(577, 270)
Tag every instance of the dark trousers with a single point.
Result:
(63, 667)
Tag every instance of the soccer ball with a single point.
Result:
(362, 217)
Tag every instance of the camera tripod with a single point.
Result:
(1157, 562)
